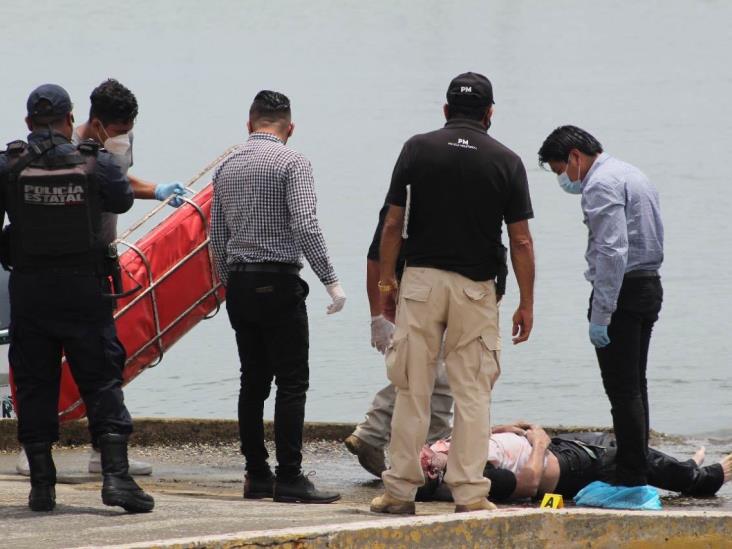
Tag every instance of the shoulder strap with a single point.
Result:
(30, 153)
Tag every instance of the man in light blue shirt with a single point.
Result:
(624, 254)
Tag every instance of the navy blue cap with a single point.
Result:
(471, 90)
(48, 100)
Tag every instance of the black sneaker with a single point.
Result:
(301, 490)
(258, 487)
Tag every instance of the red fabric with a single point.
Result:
(166, 245)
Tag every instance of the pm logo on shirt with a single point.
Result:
(463, 144)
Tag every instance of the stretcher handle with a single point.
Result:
(210, 166)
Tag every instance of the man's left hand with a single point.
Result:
(537, 436)
(598, 335)
(523, 322)
(164, 190)
(381, 332)
(336, 293)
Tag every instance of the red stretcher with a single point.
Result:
(173, 268)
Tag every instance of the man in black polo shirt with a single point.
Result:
(451, 191)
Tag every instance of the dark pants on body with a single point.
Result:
(55, 313)
(578, 467)
(268, 314)
(623, 367)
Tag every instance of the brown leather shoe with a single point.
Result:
(370, 457)
(392, 506)
(481, 505)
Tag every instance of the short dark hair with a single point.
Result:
(270, 107)
(564, 139)
(468, 112)
(111, 102)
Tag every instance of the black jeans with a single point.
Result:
(623, 368)
(268, 314)
(64, 313)
(578, 469)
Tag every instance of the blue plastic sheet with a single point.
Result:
(607, 496)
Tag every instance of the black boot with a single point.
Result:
(301, 490)
(258, 487)
(42, 475)
(118, 487)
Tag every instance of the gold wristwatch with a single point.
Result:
(387, 288)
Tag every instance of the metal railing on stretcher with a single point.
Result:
(149, 292)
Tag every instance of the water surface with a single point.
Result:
(651, 81)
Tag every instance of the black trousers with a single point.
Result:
(268, 314)
(578, 469)
(54, 313)
(623, 367)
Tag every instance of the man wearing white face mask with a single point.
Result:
(111, 120)
(624, 254)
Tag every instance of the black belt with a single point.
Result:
(286, 268)
(642, 274)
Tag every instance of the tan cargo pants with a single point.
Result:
(376, 428)
(432, 301)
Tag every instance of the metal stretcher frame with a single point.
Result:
(149, 292)
(153, 284)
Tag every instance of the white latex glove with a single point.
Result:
(336, 293)
(381, 332)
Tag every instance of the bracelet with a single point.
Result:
(386, 288)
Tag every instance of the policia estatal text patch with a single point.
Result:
(54, 195)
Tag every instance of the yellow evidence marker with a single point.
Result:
(552, 501)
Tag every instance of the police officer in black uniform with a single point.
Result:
(60, 296)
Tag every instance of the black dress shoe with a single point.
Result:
(258, 487)
(301, 490)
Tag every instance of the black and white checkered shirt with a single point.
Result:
(264, 209)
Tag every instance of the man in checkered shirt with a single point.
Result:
(262, 223)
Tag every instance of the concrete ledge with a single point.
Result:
(175, 431)
(505, 528)
(162, 432)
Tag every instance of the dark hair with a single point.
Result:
(463, 111)
(564, 139)
(270, 107)
(111, 103)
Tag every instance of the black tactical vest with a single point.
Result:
(56, 204)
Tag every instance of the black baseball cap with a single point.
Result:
(48, 100)
(471, 90)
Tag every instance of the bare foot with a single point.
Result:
(701, 453)
(726, 464)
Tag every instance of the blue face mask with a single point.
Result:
(569, 186)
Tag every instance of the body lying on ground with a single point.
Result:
(524, 462)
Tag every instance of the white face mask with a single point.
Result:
(120, 147)
(569, 186)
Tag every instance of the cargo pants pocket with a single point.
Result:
(396, 362)
(490, 358)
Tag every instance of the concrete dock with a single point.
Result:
(198, 492)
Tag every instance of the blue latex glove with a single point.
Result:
(164, 190)
(598, 335)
